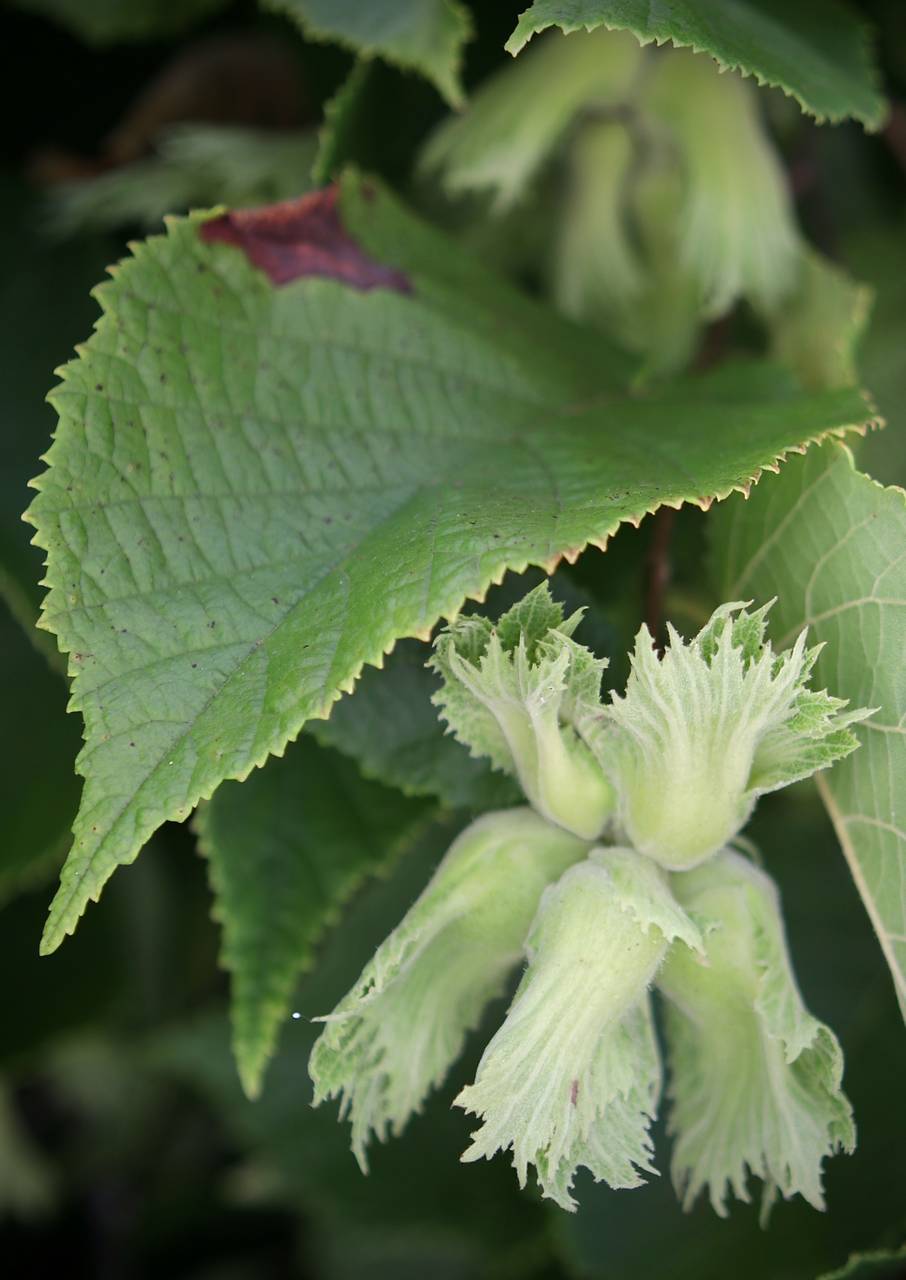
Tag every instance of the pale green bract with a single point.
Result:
(518, 117)
(705, 730)
(756, 1080)
(395, 1035)
(597, 267)
(519, 694)
(737, 237)
(573, 1076)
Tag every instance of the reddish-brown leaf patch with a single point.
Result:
(303, 237)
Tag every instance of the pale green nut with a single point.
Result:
(523, 693)
(572, 1077)
(397, 1032)
(706, 729)
(755, 1079)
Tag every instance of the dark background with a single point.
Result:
(126, 1148)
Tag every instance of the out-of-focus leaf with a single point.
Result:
(883, 1264)
(417, 35)
(286, 849)
(194, 166)
(341, 119)
(878, 255)
(26, 1176)
(115, 21)
(817, 51)
(39, 789)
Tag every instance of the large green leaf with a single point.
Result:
(830, 543)
(417, 35)
(816, 51)
(256, 490)
(193, 165)
(286, 849)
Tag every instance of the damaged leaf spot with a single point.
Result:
(303, 237)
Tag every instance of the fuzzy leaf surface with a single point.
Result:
(417, 35)
(256, 490)
(816, 51)
(286, 849)
(829, 543)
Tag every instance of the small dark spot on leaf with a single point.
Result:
(194, 665)
(99, 386)
(300, 238)
(212, 624)
(574, 1092)
(275, 600)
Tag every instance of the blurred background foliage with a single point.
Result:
(127, 1148)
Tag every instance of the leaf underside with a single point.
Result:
(256, 490)
(829, 543)
(816, 51)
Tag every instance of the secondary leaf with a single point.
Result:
(828, 542)
(418, 1190)
(417, 35)
(256, 490)
(286, 849)
(193, 165)
(816, 51)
